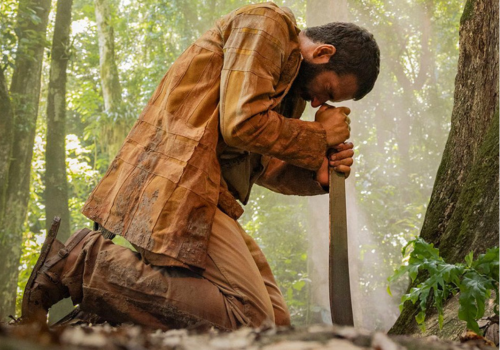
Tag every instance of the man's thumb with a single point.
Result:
(345, 110)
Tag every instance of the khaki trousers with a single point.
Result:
(236, 289)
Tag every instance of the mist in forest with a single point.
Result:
(398, 130)
(399, 136)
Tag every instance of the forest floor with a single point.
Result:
(128, 337)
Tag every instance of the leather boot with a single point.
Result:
(44, 287)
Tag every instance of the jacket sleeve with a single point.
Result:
(255, 53)
(286, 178)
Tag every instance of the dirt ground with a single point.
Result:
(129, 337)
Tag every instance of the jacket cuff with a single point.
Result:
(310, 144)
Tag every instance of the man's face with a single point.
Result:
(319, 85)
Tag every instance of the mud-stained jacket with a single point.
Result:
(216, 108)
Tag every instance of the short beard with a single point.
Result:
(307, 72)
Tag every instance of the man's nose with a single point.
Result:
(315, 102)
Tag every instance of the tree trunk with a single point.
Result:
(6, 137)
(110, 82)
(463, 210)
(25, 92)
(56, 183)
(115, 127)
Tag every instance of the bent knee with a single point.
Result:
(282, 317)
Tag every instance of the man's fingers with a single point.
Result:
(346, 161)
(345, 110)
(349, 145)
(348, 153)
(343, 146)
(323, 107)
(342, 160)
(343, 169)
(348, 122)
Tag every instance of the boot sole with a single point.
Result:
(49, 240)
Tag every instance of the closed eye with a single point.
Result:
(330, 93)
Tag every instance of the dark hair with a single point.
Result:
(356, 53)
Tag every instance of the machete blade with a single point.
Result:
(340, 289)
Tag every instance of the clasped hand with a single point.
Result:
(336, 124)
(341, 161)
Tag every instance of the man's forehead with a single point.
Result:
(344, 87)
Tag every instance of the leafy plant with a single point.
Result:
(474, 280)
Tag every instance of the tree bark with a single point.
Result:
(56, 182)
(6, 137)
(110, 82)
(25, 92)
(116, 126)
(463, 211)
(476, 102)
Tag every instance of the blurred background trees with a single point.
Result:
(30, 26)
(116, 54)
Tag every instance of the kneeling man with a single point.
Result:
(225, 116)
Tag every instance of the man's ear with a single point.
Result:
(322, 53)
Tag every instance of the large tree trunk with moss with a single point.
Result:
(56, 183)
(463, 211)
(115, 127)
(25, 92)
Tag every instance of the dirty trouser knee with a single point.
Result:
(281, 313)
(237, 287)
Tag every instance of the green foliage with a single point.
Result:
(8, 38)
(474, 280)
(32, 243)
